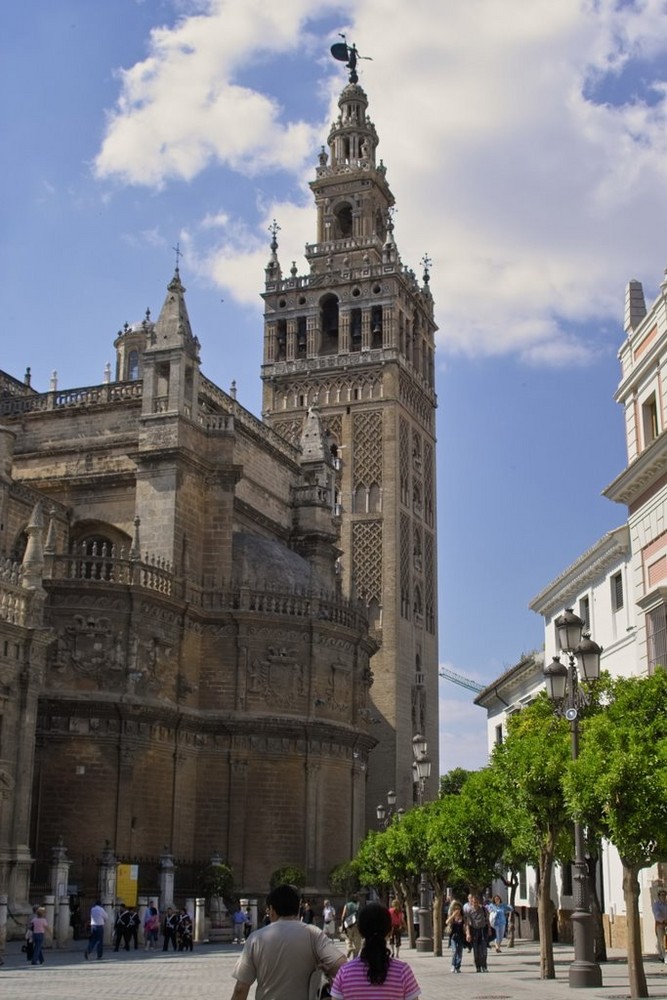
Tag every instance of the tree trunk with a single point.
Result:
(544, 915)
(512, 885)
(438, 898)
(636, 972)
(599, 942)
(407, 892)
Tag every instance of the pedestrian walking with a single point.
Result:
(282, 956)
(477, 933)
(328, 919)
(375, 974)
(39, 928)
(98, 919)
(497, 920)
(456, 934)
(397, 927)
(238, 923)
(350, 930)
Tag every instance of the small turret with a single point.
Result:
(130, 345)
(171, 359)
(315, 531)
(33, 559)
(273, 270)
(173, 324)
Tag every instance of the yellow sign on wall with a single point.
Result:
(127, 884)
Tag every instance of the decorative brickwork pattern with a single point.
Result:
(429, 582)
(334, 425)
(367, 436)
(363, 385)
(415, 400)
(405, 566)
(404, 460)
(429, 492)
(289, 429)
(367, 559)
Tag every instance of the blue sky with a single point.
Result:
(526, 147)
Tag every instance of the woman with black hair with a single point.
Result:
(375, 975)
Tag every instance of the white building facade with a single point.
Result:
(618, 587)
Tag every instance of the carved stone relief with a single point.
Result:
(277, 678)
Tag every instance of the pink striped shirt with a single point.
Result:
(351, 983)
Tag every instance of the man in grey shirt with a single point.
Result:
(282, 956)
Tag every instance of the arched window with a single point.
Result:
(355, 329)
(343, 217)
(329, 324)
(376, 327)
(19, 547)
(133, 366)
(301, 337)
(374, 616)
(281, 340)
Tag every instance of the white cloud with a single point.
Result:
(180, 109)
(536, 201)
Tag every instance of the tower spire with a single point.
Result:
(273, 270)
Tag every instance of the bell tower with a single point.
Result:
(354, 336)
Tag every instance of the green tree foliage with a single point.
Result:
(452, 782)
(529, 767)
(620, 779)
(288, 875)
(344, 879)
(390, 862)
(216, 881)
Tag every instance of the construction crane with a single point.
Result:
(460, 679)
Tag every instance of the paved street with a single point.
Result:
(206, 975)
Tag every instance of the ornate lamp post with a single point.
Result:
(385, 814)
(562, 684)
(422, 770)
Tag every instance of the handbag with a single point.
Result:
(350, 921)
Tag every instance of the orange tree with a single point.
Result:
(619, 783)
(529, 767)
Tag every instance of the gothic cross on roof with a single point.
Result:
(177, 250)
(426, 264)
(274, 229)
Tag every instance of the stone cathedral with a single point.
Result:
(218, 632)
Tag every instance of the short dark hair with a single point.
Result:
(284, 899)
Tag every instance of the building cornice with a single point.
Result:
(580, 574)
(511, 680)
(640, 475)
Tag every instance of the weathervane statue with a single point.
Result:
(349, 55)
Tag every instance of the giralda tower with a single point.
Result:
(354, 337)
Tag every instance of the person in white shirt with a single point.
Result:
(98, 919)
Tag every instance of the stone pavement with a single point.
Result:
(206, 975)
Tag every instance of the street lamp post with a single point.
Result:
(562, 683)
(385, 814)
(422, 771)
